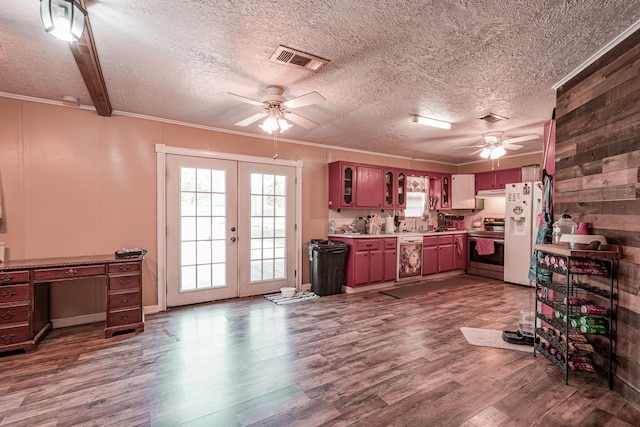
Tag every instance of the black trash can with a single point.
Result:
(327, 265)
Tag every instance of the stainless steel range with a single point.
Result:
(486, 250)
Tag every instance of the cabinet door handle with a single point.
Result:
(7, 315)
(71, 272)
(8, 337)
(6, 277)
(125, 281)
(8, 294)
(124, 267)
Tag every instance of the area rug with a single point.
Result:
(299, 296)
(491, 338)
(426, 286)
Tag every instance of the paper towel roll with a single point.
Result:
(389, 227)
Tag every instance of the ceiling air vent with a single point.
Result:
(492, 118)
(295, 58)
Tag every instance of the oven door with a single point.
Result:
(487, 265)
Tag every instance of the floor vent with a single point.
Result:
(492, 118)
(295, 58)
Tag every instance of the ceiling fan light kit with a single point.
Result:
(63, 19)
(277, 107)
(430, 122)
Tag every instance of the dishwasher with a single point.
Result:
(409, 265)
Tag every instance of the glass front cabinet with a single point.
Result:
(342, 183)
(395, 187)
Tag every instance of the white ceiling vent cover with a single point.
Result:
(295, 58)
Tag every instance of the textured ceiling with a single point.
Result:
(454, 61)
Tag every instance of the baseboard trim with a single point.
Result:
(65, 322)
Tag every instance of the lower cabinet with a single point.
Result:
(460, 252)
(390, 259)
(429, 255)
(444, 253)
(366, 261)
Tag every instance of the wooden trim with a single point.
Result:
(86, 57)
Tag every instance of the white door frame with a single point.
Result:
(161, 215)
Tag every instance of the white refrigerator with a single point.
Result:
(523, 206)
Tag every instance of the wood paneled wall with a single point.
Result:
(597, 178)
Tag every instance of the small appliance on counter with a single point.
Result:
(458, 222)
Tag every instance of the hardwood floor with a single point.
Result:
(363, 359)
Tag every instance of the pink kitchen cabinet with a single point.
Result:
(460, 252)
(390, 259)
(445, 253)
(429, 255)
(369, 187)
(342, 185)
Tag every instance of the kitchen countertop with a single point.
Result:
(404, 234)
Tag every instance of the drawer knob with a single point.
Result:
(71, 272)
(6, 277)
(7, 315)
(124, 299)
(8, 294)
(125, 317)
(125, 281)
(124, 267)
(8, 337)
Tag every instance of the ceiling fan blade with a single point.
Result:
(476, 152)
(299, 120)
(306, 99)
(249, 120)
(520, 139)
(512, 146)
(246, 100)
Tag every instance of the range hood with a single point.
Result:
(483, 194)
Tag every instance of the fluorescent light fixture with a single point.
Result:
(63, 19)
(430, 122)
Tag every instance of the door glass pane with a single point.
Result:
(203, 230)
(268, 226)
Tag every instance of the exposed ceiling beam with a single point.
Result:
(86, 57)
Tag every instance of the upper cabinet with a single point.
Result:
(445, 191)
(395, 188)
(463, 191)
(493, 180)
(354, 185)
(369, 186)
(342, 179)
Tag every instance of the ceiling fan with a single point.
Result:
(494, 146)
(277, 109)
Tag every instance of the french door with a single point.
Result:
(230, 228)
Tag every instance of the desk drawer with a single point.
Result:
(14, 293)
(124, 299)
(124, 267)
(124, 317)
(15, 314)
(68, 273)
(124, 282)
(14, 335)
(14, 277)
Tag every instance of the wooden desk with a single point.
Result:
(24, 295)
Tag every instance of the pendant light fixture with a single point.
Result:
(63, 19)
